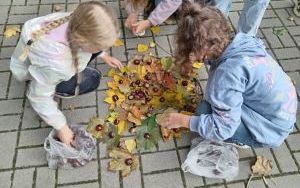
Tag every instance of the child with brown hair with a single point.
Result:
(249, 99)
(252, 13)
(53, 53)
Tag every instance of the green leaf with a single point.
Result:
(279, 31)
(166, 62)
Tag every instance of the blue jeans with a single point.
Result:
(252, 13)
(90, 80)
(241, 136)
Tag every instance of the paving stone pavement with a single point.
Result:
(22, 158)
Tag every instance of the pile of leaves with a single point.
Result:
(147, 86)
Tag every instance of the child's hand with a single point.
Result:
(176, 120)
(111, 61)
(131, 20)
(141, 26)
(66, 135)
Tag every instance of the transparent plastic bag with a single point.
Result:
(212, 159)
(60, 155)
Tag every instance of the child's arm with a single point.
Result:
(163, 11)
(226, 98)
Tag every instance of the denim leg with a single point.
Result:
(156, 2)
(223, 5)
(90, 80)
(241, 136)
(252, 14)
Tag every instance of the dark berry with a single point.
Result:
(162, 99)
(147, 76)
(136, 62)
(99, 127)
(111, 134)
(137, 82)
(120, 81)
(116, 122)
(147, 136)
(176, 130)
(130, 97)
(155, 89)
(115, 98)
(128, 161)
(184, 83)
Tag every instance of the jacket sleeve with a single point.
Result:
(226, 98)
(40, 94)
(163, 11)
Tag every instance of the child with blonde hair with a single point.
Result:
(53, 53)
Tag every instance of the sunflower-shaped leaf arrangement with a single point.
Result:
(97, 127)
(122, 160)
(147, 134)
(112, 138)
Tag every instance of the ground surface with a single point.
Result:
(22, 157)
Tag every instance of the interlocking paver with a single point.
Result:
(284, 158)
(9, 122)
(163, 180)
(159, 161)
(158, 169)
(45, 177)
(23, 178)
(88, 172)
(7, 149)
(5, 179)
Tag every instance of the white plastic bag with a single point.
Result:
(212, 159)
(60, 155)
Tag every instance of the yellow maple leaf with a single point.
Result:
(121, 127)
(114, 98)
(155, 30)
(197, 64)
(118, 43)
(11, 31)
(112, 85)
(112, 117)
(142, 48)
(130, 144)
(111, 72)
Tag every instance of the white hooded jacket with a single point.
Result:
(49, 63)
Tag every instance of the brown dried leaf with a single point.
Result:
(262, 166)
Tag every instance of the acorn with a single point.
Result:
(155, 89)
(136, 62)
(120, 81)
(116, 122)
(137, 82)
(149, 62)
(115, 98)
(128, 161)
(184, 83)
(147, 136)
(162, 99)
(111, 134)
(99, 127)
(148, 76)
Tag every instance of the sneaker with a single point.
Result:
(297, 8)
(238, 145)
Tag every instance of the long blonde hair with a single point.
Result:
(92, 21)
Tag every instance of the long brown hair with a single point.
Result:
(203, 32)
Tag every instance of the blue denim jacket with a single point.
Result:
(247, 84)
